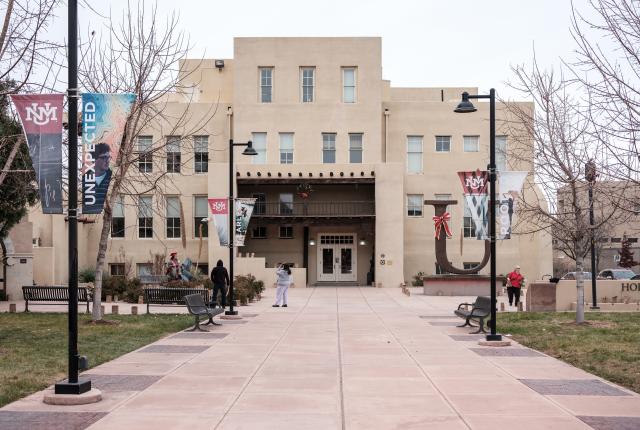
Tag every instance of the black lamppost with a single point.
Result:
(72, 385)
(232, 216)
(465, 106)
(590, 175)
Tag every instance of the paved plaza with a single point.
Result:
(337, 358)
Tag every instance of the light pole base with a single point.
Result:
(66, 387)
(594, 308)
(494, 343)
(231, 312)
(493, 337)
(230, 316)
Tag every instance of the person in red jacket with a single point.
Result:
(514, 283)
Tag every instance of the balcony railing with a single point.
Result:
(315, 209)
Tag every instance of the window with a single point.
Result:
(144, 269)
(145, 217)
(348, 84)
(355, 147)
(173, 217)
(145, 159)
(117, 218)
(203, 269)
(633, 240)
(260, 145)
(259, 232)
(468, 226)
(260, 207)
(467, 266)
(414, 154)
(414, 205)
(286, 232)
(266, 84)
(471, 143)
(616, 240)
(501, 153)
(286, 148)
(173, 154)
(443, 143)
(445, 197)
(328, 148)
(200, 212)
(116, 269)
(307, 78)
(286, 204)
(201, 154)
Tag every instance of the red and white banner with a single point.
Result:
(475, 183)
(220, 210)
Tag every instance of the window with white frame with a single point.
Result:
(355, 147)
(200, 212)
(444, 197)
(201, 154)
(145, 157)
(286, 204)
(173, 154)
(414, 154)
(259, 232)
(266, 84)
(116, 269)
(468, 226)
(349, 84)
(414, 205)
(471, 143)
(308, 82)
(260, 145)
(443, 143)
(501, 153)
(286, 232)
(286, 148)
(173, 217)
(144, 269)
(145, 217)
(117, 218)
(328, 148)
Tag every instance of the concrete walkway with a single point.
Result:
(338, 358)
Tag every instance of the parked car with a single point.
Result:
(572, 275)
(616, 274)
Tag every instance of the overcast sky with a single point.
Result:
(424, 42)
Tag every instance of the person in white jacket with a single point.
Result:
(283, 282)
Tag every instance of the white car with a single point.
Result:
(616, 274)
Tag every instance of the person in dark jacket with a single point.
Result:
(220, 279)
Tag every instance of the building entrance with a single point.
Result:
(337, 258)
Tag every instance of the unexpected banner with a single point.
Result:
(244, 209)
(103, 120)
(474, 182)
(41, 118)
(510, 185)
(504, 219)
(220, 210)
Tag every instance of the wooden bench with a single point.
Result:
(57, 293)
(480, 310)
(171, 296)
(197, 307)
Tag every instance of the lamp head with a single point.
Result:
(249, 149)
(465, 106)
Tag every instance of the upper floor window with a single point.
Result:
(173, 217)
(501, 153)
(355, 147)
(173, 154)
(117, 218)
(201, 154)
(468, 226)
(414, 154)
(414, 205)
(260, 207)
(259, 232)
(200, 213)
(286, 204)
(308, 83)
(348, 84)
(286, 148)
(443, 143)
(260, 145)
(145, 216)
(145, 159)
(471, 143)
(266, 84)
(328, 148)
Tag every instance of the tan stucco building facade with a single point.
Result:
(319, 113)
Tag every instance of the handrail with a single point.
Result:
(315, 208)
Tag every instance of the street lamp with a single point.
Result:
(590, 175)
(232, 215)
(465, 106)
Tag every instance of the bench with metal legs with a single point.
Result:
(197, 307)
(480, 310)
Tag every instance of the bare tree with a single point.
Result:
(140, 55)
(560, 137)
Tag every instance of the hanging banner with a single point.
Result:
(220, 210)
(474, 182)
(103, 120)
(504, 218)
(244, 209)
(511, 183)
(478, 206)
(41, 118)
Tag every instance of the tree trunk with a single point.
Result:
(580, 288)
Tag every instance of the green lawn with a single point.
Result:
(607, 346)
(33, 346)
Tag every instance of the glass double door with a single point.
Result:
(337, 263)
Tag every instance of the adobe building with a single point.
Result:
(345, 161)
